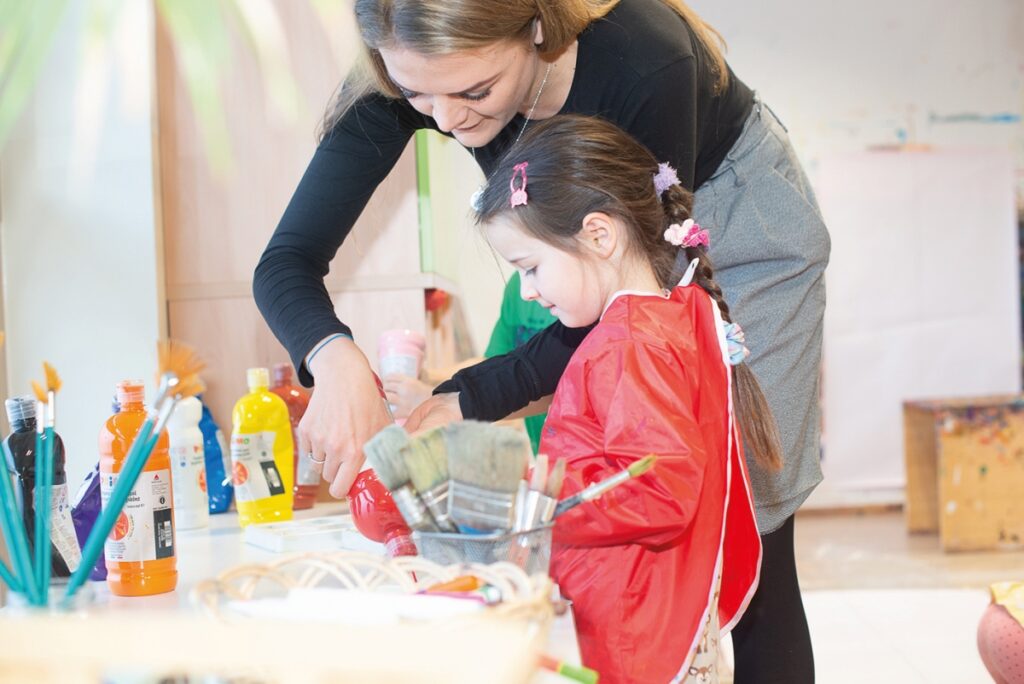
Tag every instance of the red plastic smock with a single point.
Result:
(640, 562)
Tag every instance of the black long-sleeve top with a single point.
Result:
(638, 67)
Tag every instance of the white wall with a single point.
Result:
(843, 76)
(77, 224)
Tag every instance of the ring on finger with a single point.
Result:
(316, 460)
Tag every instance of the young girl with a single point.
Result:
(659, 567)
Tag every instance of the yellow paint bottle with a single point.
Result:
(262, 453)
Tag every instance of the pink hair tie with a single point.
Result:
(518, 194)
(665, 178)
(689, 234)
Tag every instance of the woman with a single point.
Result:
(479, 71)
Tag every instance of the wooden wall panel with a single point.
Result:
(216, 225)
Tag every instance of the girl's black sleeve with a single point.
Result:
(496, 387)
(348, 165)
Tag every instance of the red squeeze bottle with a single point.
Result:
(377, 517)
(374, 511)
(307, 479)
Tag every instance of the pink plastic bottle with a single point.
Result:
(400, 352)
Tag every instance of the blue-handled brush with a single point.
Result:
(45, 438)
(178, 367)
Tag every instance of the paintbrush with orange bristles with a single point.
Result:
(45, 439)
(179, 368)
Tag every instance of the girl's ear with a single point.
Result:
(538, 32)
(600, 235)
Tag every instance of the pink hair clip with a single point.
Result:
(665, 178)
(689, 234)
(518, 194)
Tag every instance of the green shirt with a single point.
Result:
(519, 321)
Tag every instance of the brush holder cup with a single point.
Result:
(530, 550)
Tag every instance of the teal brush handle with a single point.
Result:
(138, 454)
(39, 513)
(14, 532)
(44, 502)
(9, 579)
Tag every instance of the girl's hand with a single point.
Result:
(345, 411)
(437, 411)
(405, 393)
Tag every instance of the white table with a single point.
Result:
(204, 553)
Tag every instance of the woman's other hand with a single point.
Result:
(405, 394)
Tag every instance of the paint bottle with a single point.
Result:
(139, 552)
(20, 458)
(188, 467)
(262, 453)
(307, 477)
(400, 352)
(219, 489)
(85, 508)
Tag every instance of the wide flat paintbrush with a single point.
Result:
(598, 488)
(428, 471)
(486, 463)
(388, 451)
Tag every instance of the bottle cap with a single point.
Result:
(282, 374)
(20, 410)
(257, 378)
(130, 392)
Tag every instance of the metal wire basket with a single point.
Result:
(530, 550)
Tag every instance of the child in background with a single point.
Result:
(663, 565)
(518, 322)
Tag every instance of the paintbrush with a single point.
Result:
(178, 371)
(598, 488)
(577, 673)
(22, 578)
(45, 438)
(533, 505)
(555, 479)
(428, 471)
(485, 463)
(387, 451)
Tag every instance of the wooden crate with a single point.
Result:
(965, 471)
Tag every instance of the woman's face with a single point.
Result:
(472, 94)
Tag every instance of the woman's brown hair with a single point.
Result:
(579, 165)
(437, 27)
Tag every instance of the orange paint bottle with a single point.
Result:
(139, 553)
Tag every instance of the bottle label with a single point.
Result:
(189, 463)
(399, 364)
(62, 530)
(144, 530)
(253, 469)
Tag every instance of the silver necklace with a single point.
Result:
(474, 201)
(529, 114)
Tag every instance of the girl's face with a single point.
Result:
(569, 285)
(472, 94)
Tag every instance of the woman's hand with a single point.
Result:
(437, 411)
(405, 393)
(345, 411)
